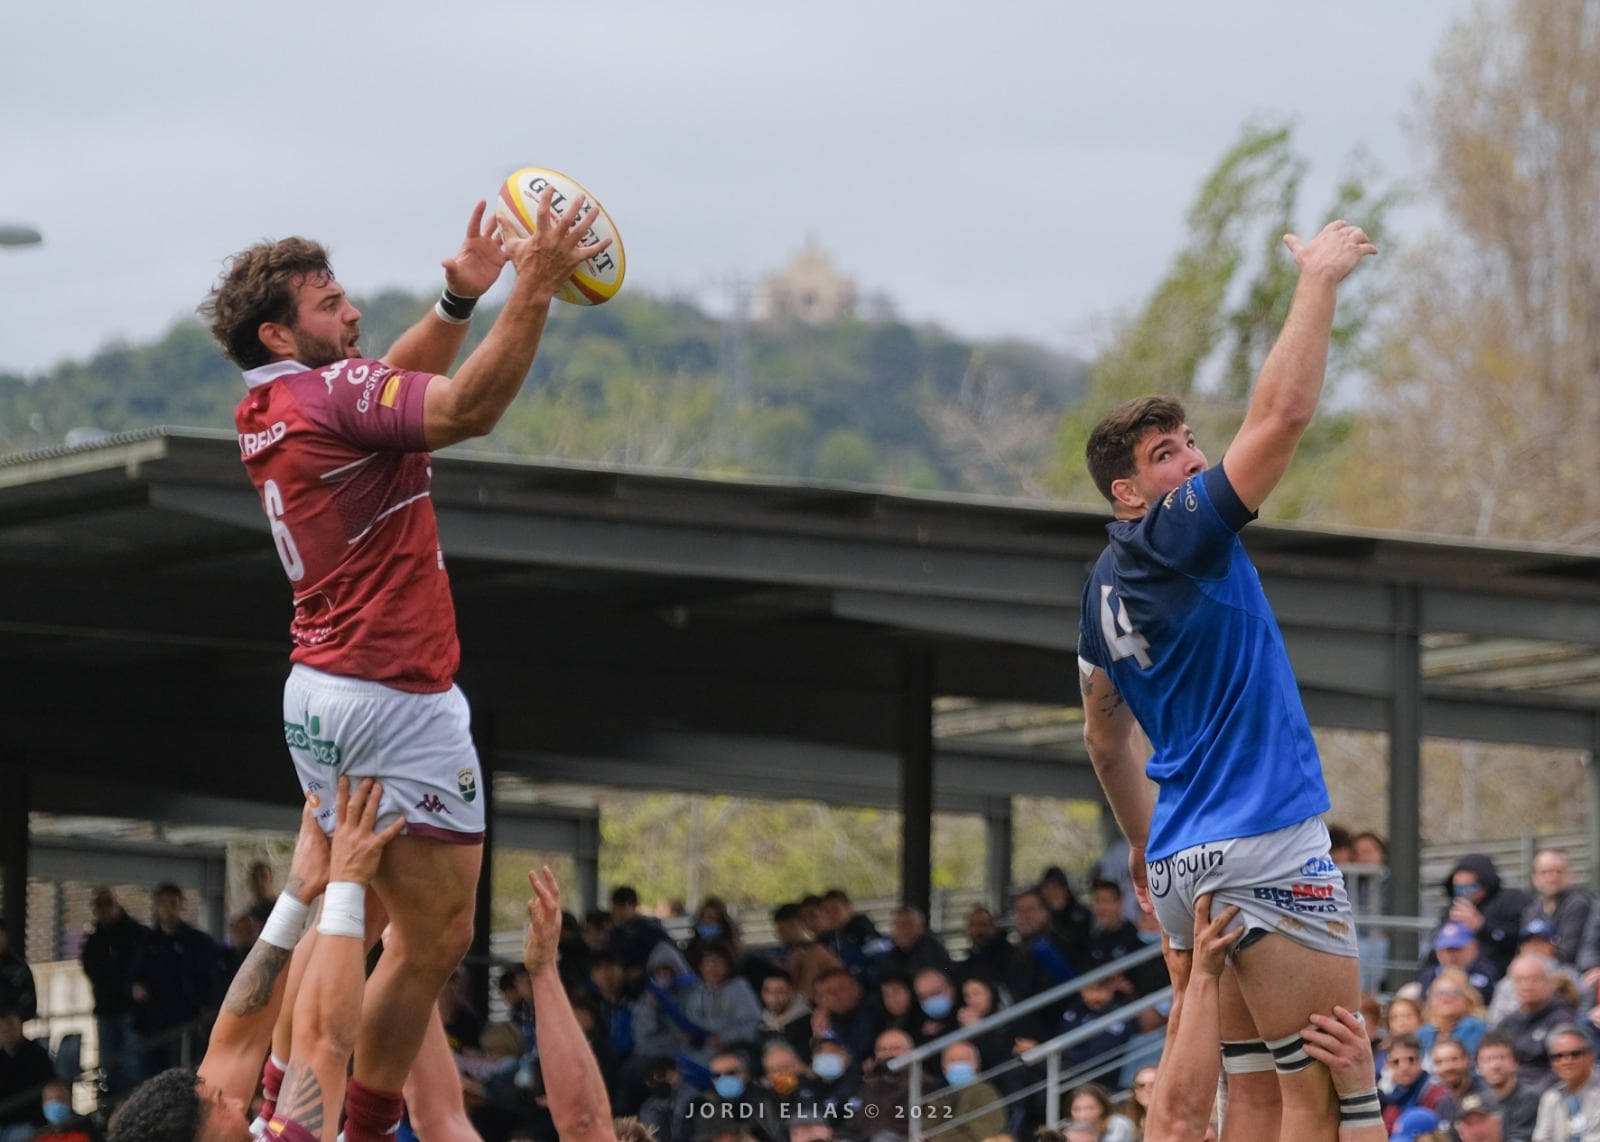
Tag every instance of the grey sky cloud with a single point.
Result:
(1013, 168)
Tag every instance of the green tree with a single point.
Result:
(1210, 322)
(1485, 415)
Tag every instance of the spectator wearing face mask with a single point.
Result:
(966, 1095)
(835, 1077)
(713, 924)
(937, 998)
(62, 1123)
(782, 1073)
(735, 1104)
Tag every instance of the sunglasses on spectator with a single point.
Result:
(1558, 1056)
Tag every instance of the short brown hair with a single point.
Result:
(1111, 444)
(258, 286)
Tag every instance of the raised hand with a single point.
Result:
(477, 265)
(544, 922)
(356, 847)
(555, 248)
(308, 867)
(1212, 940)
(1333, 253)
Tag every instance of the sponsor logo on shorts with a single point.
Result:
(322, 751)
(467, 782)
(431, 803)
(1319, 866)
(1300, 898)
(1187, 865)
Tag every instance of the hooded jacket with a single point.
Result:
(1501, 908)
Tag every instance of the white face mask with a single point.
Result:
(828, 1065)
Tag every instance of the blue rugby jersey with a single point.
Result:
(1174, 613)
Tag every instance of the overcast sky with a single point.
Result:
(1004, 168)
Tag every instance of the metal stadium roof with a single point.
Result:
(758, 638)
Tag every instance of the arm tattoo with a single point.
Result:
(301, 1098)
(251, 989)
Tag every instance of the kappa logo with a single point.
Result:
(431, 803)
(322, 751)
(467, 783)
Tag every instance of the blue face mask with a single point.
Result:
(729, 1086)
(708, 931)
(828, 1065)
(57, 1112)
(937, 1006)
(960, 1074)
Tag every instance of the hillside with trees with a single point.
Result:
(656, 383)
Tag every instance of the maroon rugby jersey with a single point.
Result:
(339, 459)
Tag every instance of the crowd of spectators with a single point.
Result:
(731, 1033)
(1495, 1039)
(786, 1035)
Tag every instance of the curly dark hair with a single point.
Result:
(1110, 449)
(166, 1108)
(258, 286)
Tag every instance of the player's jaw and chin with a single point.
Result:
(318, 352)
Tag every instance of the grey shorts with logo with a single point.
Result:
(1283, 882)
(418, 745)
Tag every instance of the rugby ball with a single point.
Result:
(596, 280)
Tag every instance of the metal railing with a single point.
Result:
(1050, 1052)
(914, 1058)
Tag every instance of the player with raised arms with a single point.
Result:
(338, 446)
(208, 1104)
(1176, 636)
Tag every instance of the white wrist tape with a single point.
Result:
(344, 910)
(288, 920)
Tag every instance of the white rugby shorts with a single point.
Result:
(418, 745)
(1283, 882)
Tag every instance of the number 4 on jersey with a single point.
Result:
(1121, 638)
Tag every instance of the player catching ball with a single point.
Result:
(338, 446)
(1177, 637)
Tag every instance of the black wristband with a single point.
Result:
(455, 309)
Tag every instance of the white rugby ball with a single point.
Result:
(596, 280)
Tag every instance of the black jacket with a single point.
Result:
(106, 956)
(1501, 907)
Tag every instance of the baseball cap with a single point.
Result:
(1478, 1102)
(1413, 1123)
(1452, 935)
(1540, 928)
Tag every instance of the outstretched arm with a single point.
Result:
(244, 1027)
(1186, 1080)
(579, 1104)
(1290, 383)
(472, 402)
(431, 345)
(327, 1011)
(1111, 733)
